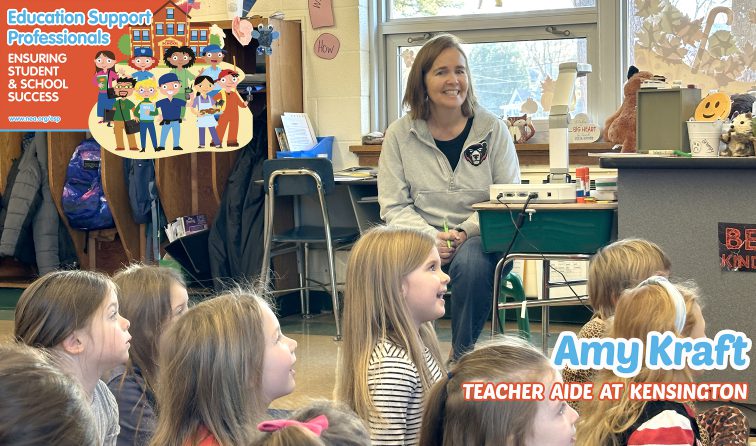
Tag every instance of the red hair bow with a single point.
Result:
(315, 425)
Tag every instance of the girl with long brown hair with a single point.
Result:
(151, 298)
(74, 316)
(220, 366)
(452, 420)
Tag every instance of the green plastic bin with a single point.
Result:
(555, 231)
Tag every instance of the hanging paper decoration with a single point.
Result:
(188, 5)
(321, 13)
(327, 46)
(265, 37)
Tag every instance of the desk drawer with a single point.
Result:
(549, 231)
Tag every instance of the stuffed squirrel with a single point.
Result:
(620, 127)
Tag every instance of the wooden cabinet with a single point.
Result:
(194, 183)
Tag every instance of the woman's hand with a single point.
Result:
(448, 242)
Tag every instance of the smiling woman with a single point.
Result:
(439, 160)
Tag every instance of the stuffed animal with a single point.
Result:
(739, 137)
(741, 103)
(520, 127)
(620, 127)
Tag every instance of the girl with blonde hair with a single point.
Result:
(451, 420)
(220, 366)
(390, 355)
(151, 298)
(676, 309)
(614, 268)
(74, 316)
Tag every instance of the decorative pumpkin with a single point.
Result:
(714, 106)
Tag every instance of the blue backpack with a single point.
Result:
(84, 201)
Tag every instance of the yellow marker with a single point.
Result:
(446, 229)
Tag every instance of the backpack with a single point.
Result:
(84, 201)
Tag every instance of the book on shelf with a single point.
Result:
(185, 225)
(283, 144)
(300, 135)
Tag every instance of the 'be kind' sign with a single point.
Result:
(737, 247)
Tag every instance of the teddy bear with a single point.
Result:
(619, 128)
(739, 137)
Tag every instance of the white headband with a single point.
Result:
(677, 299)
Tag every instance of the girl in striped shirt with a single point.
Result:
(390, 357)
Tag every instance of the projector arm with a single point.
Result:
(559, 120)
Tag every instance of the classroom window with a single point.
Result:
(180, 29)
(169, 29)
(193, 36)
(203, 35)
(514, 55)
(137, 36)
(710, 44)
(159, 29)
(430, 8)
(169, 13)
(506, 80)
(145, 34)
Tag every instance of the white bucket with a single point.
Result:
(704, 137)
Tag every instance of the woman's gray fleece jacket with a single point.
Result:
(416, 186)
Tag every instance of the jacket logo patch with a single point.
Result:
(477, 153)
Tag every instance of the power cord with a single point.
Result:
(517, 225)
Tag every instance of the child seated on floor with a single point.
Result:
(152, 298)
(390, 354)
(451, 419)
(220, 366)
(657, 305)
(38, 403)
(320, 423)
(614, 268)
(74, 316)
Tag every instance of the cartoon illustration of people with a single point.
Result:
(142, 62)
(213, 55)
(169, 110)
(123, 88)
(179, 58)
(231, 103)
(104, 78)
(146, 110)
(204, 107)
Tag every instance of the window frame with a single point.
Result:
(602, 25)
